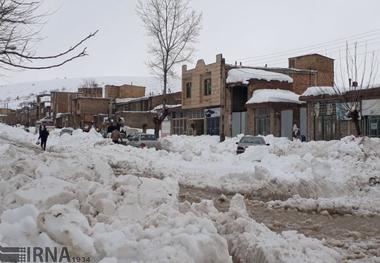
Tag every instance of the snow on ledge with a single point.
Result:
(319, 90)
(274, 95)
(243, 75)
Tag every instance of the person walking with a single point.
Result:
(296, 132)
(44, 134)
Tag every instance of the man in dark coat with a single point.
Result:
(43, 136)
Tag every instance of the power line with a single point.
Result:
(363, 43)
(373, 43)
(328, 43)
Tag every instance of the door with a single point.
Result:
(286, 123)
(238, 123)
(303, 122)
(213, 126)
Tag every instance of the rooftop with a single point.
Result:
(243, 75)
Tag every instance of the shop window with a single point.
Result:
(207, 87)
(179, 126)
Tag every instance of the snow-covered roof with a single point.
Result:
(319, 90)
(274, 95)
(243, 75)
(159, 107)
(125, 100)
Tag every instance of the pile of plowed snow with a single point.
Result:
(70, 196)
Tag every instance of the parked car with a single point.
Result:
(143, 140)
(66, 131)
(248, 141)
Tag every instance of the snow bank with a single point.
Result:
(274, 95)
(243, 75)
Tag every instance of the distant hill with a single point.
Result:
(13, 94)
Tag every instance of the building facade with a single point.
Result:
(215, 96)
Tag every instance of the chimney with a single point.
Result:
(235, 63)
(350, 82)
(241, 64)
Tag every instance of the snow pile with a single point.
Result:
(274, 95)
(243, 75)
(70, 197)
(333, 169)
(319, 90)
(250, 240)
(198, 145)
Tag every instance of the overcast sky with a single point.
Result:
(242, 30)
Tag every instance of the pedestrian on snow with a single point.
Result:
(296, 132)
(115, 136)
(44, 134)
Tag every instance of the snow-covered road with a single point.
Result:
(71, 196)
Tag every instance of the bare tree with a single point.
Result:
(360, 74)
(19, 23)
(174, 28)
(89, 83)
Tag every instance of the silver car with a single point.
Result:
(247, 141)
(143, 140)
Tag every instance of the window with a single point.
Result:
(188, 90)
(207, 87)
(262, 122)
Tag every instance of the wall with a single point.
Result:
(124, 91)
(86, 108)
(215, 71)
(61, 101)
(323, 65)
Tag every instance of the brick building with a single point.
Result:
(214, 96)
(139, 112)
(77, 109)
(85, 108)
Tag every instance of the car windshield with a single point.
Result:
(148, 137)
(252, 140)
